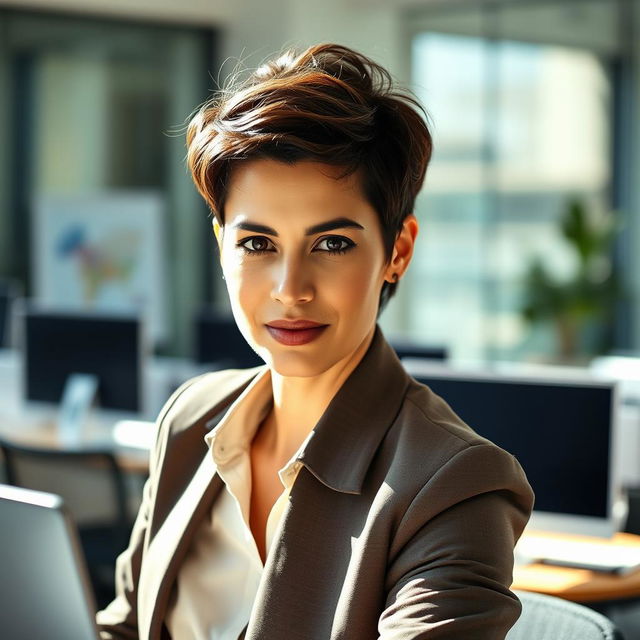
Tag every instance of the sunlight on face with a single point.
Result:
(304, 262)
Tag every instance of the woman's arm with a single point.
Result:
(119, 620)
(451, 575)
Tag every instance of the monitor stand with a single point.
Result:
(79, 395)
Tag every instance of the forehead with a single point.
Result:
(303, 190)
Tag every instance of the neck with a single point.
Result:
(298, 403)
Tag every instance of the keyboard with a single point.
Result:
(581, 554)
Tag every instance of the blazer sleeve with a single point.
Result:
(119, 620)
(452, 561)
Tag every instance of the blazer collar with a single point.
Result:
(351, 429)
(171, 540)
(167, 548)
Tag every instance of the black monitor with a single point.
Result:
(57, 344)
(561, 431)
(408, 349)
(219, 343)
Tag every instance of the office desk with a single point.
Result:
(580, 585)
(45, 435)
(160, 377)
(34, 425)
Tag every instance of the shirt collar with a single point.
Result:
(232, 436)
(290, 471)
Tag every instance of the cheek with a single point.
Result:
(356, 288)
(245, 286)
(245, 297)
(241, 273)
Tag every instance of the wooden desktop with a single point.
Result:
(34, 425)
(46, 435)
(579, 585)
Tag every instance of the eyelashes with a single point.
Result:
(256, 245)
(332, 245)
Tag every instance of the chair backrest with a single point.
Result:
(549, 618)
(90, 481)
(632, 523)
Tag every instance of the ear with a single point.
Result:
(402, 249)
(217, 232)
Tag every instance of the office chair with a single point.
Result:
(549, 618)
(632, 522)
(93, 488)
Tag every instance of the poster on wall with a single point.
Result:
(103, 251)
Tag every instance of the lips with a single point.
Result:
(295, 332)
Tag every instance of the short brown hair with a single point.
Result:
(328, 104)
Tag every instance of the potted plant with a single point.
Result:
(580, 308)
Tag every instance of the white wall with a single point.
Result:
(375, 31)
(203, 12)
(254, 29)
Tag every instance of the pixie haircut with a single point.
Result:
(328, 104)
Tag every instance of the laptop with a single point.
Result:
(44, 585)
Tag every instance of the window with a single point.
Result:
(518, 129)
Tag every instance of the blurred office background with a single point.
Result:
(529, 250)
(534, 110)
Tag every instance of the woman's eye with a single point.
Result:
(335, 244)
(255, 244)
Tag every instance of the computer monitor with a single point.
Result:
(562, 432)
(219, 343)
(57, 344)
(623, 368)
(406, 349)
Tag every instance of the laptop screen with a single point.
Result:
(44, 588)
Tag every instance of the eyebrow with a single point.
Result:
(329, 225)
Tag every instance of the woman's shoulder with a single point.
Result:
(425, 409)
(205, 394)
(429, 430)
(186, 417)
(434, 456)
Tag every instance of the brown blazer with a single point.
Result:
(401, 523)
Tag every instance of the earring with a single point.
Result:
(394, 277)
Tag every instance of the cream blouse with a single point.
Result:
(216, 586)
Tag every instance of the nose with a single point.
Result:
(292, 283)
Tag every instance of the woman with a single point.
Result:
(327, 495)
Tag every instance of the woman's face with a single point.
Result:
(304, 262)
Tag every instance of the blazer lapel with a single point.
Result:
(347, 436)
(337, 456)
(169, 545)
